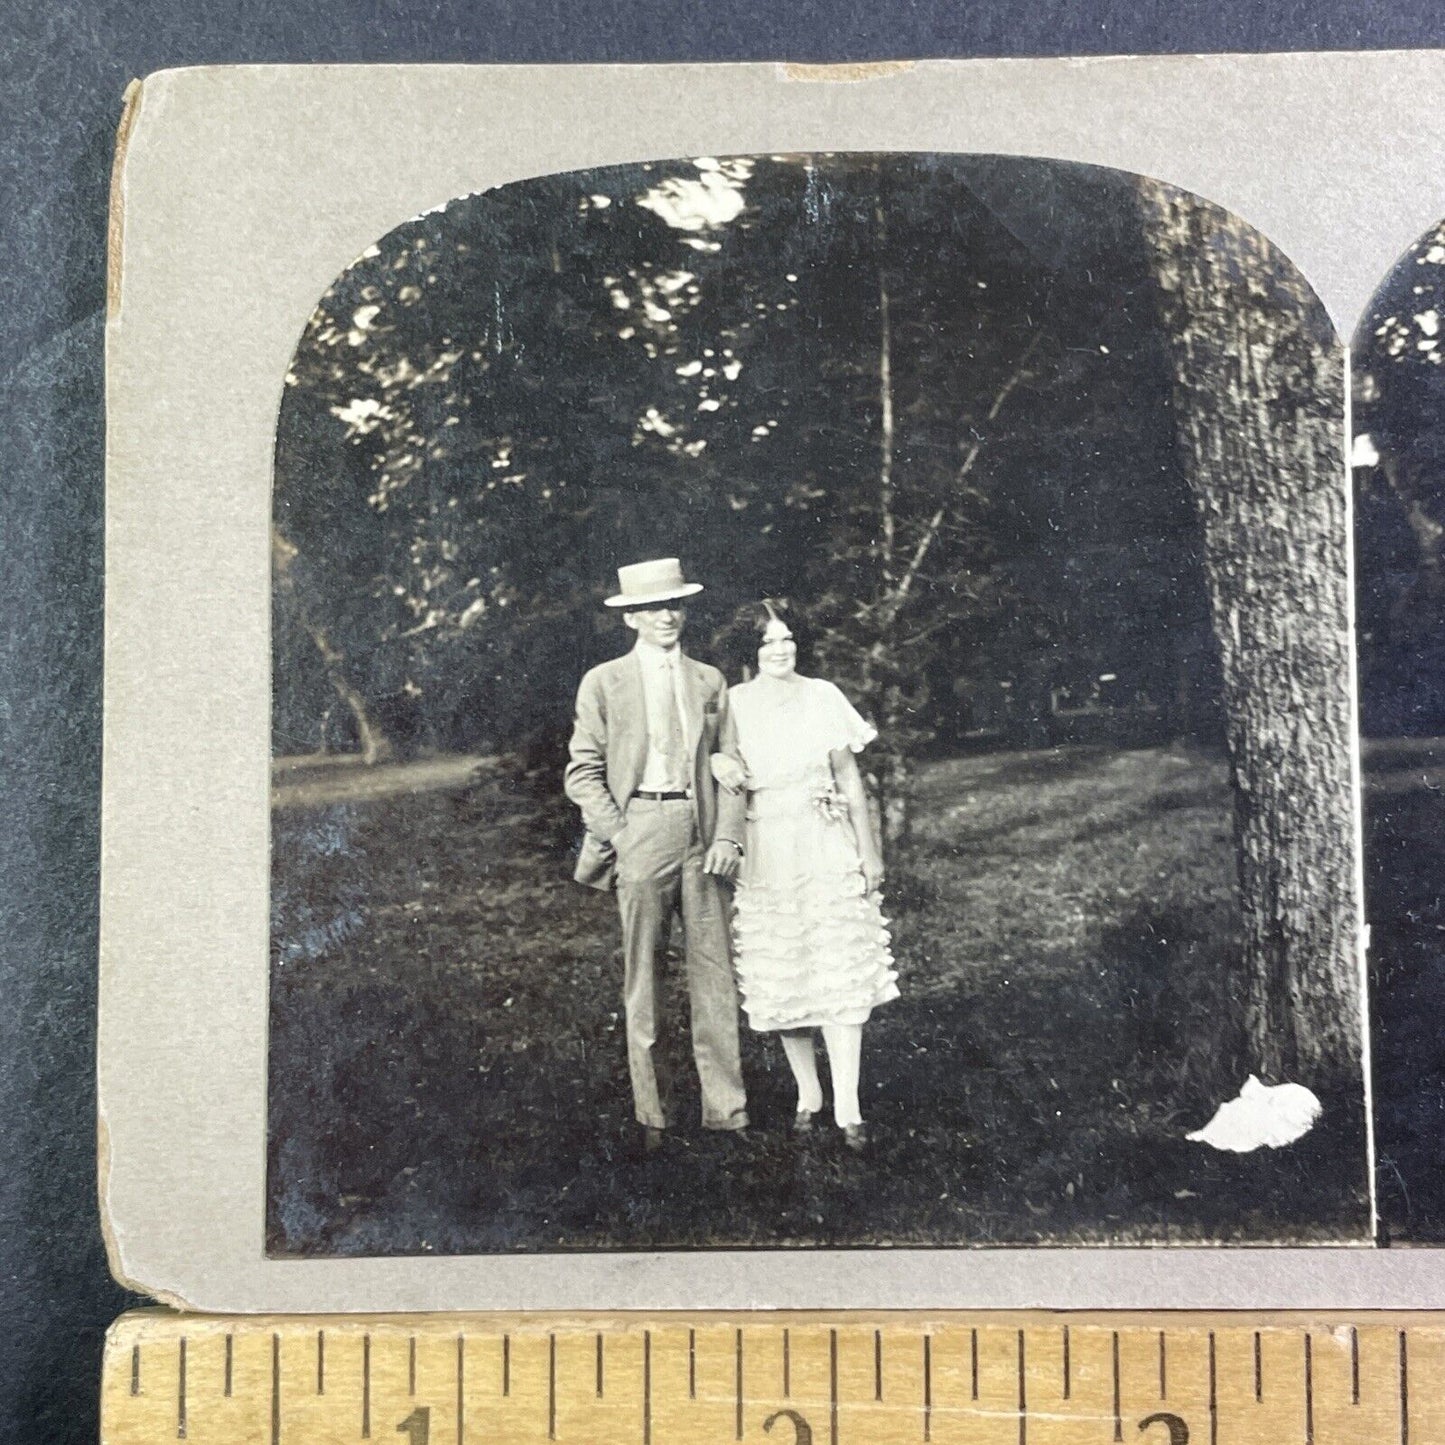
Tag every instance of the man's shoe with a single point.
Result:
(803, 1121)
(855, 1137)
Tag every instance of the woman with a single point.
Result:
(811, 945)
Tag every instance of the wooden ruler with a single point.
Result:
(805, 1379)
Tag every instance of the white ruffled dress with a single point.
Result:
(810, 942)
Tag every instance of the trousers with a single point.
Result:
(659, 873)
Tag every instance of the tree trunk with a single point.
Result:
(893, 774)
(895, 814)
(1181, 724)
(886, 519)
(1259, 382)
(375, 746)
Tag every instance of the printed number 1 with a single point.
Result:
(417, 1426)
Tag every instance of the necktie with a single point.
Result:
(671, 737)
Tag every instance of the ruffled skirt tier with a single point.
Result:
(811, 943)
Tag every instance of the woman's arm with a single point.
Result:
(726, 763)
(850, 784)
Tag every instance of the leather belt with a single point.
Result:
(661, 797)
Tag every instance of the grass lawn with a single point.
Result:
(448, 1067)
(1405, 898)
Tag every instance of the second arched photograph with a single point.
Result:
(812, 706)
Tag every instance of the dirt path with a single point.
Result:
(315, 782)
(1393, 766)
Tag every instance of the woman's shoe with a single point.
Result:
(855, 1137)
(803, 1121)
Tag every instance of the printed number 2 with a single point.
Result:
(417, 1426)
(1178, 1430)
(802, 1431)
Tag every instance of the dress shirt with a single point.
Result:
(666, 769)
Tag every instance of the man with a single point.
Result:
(647, 725)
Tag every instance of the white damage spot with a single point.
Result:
(361, 415)
(1266, 1116)
(1363, 453)
(713, 199)
(362, 320)
(654, 421)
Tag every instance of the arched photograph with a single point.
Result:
(1398, 461)
(812, 707)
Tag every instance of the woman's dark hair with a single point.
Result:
(741, 638)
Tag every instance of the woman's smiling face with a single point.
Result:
(778, 654)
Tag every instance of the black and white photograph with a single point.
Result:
(812, 706)
(1398, 458)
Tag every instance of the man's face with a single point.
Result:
(661, 626)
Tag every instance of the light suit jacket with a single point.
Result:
(609, 750)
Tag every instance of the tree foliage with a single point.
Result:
(927, 397)
(1399, 456)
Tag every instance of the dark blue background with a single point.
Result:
(64, 69)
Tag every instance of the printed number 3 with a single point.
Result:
(417, 1426)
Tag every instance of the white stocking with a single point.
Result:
(845, 1049)
(798, 1046)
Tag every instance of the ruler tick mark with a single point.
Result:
(1404, 1391)
(135, 1369)
(833, 1387)
(928, 1387)
(461, 1385)
(320, 1362)
(181, 1392)
(1258, 1370)
(599, 1365)
(1354, 1366)
(973, 1358)
(506, 1365)
(877, 1364)
(738, 1387)
(647, 1384)
(1023, 1394)
(1163, 1368)
(230, 1355)
(692, 1364)
(366, 1387)
(275, 1389)
(551, 1386)
(1213, 1394)
(1068, 1364)
(787, 1367)
(411, 1366)
(1118, 1418)
(1309, 1390)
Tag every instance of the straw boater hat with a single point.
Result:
(645, 584)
